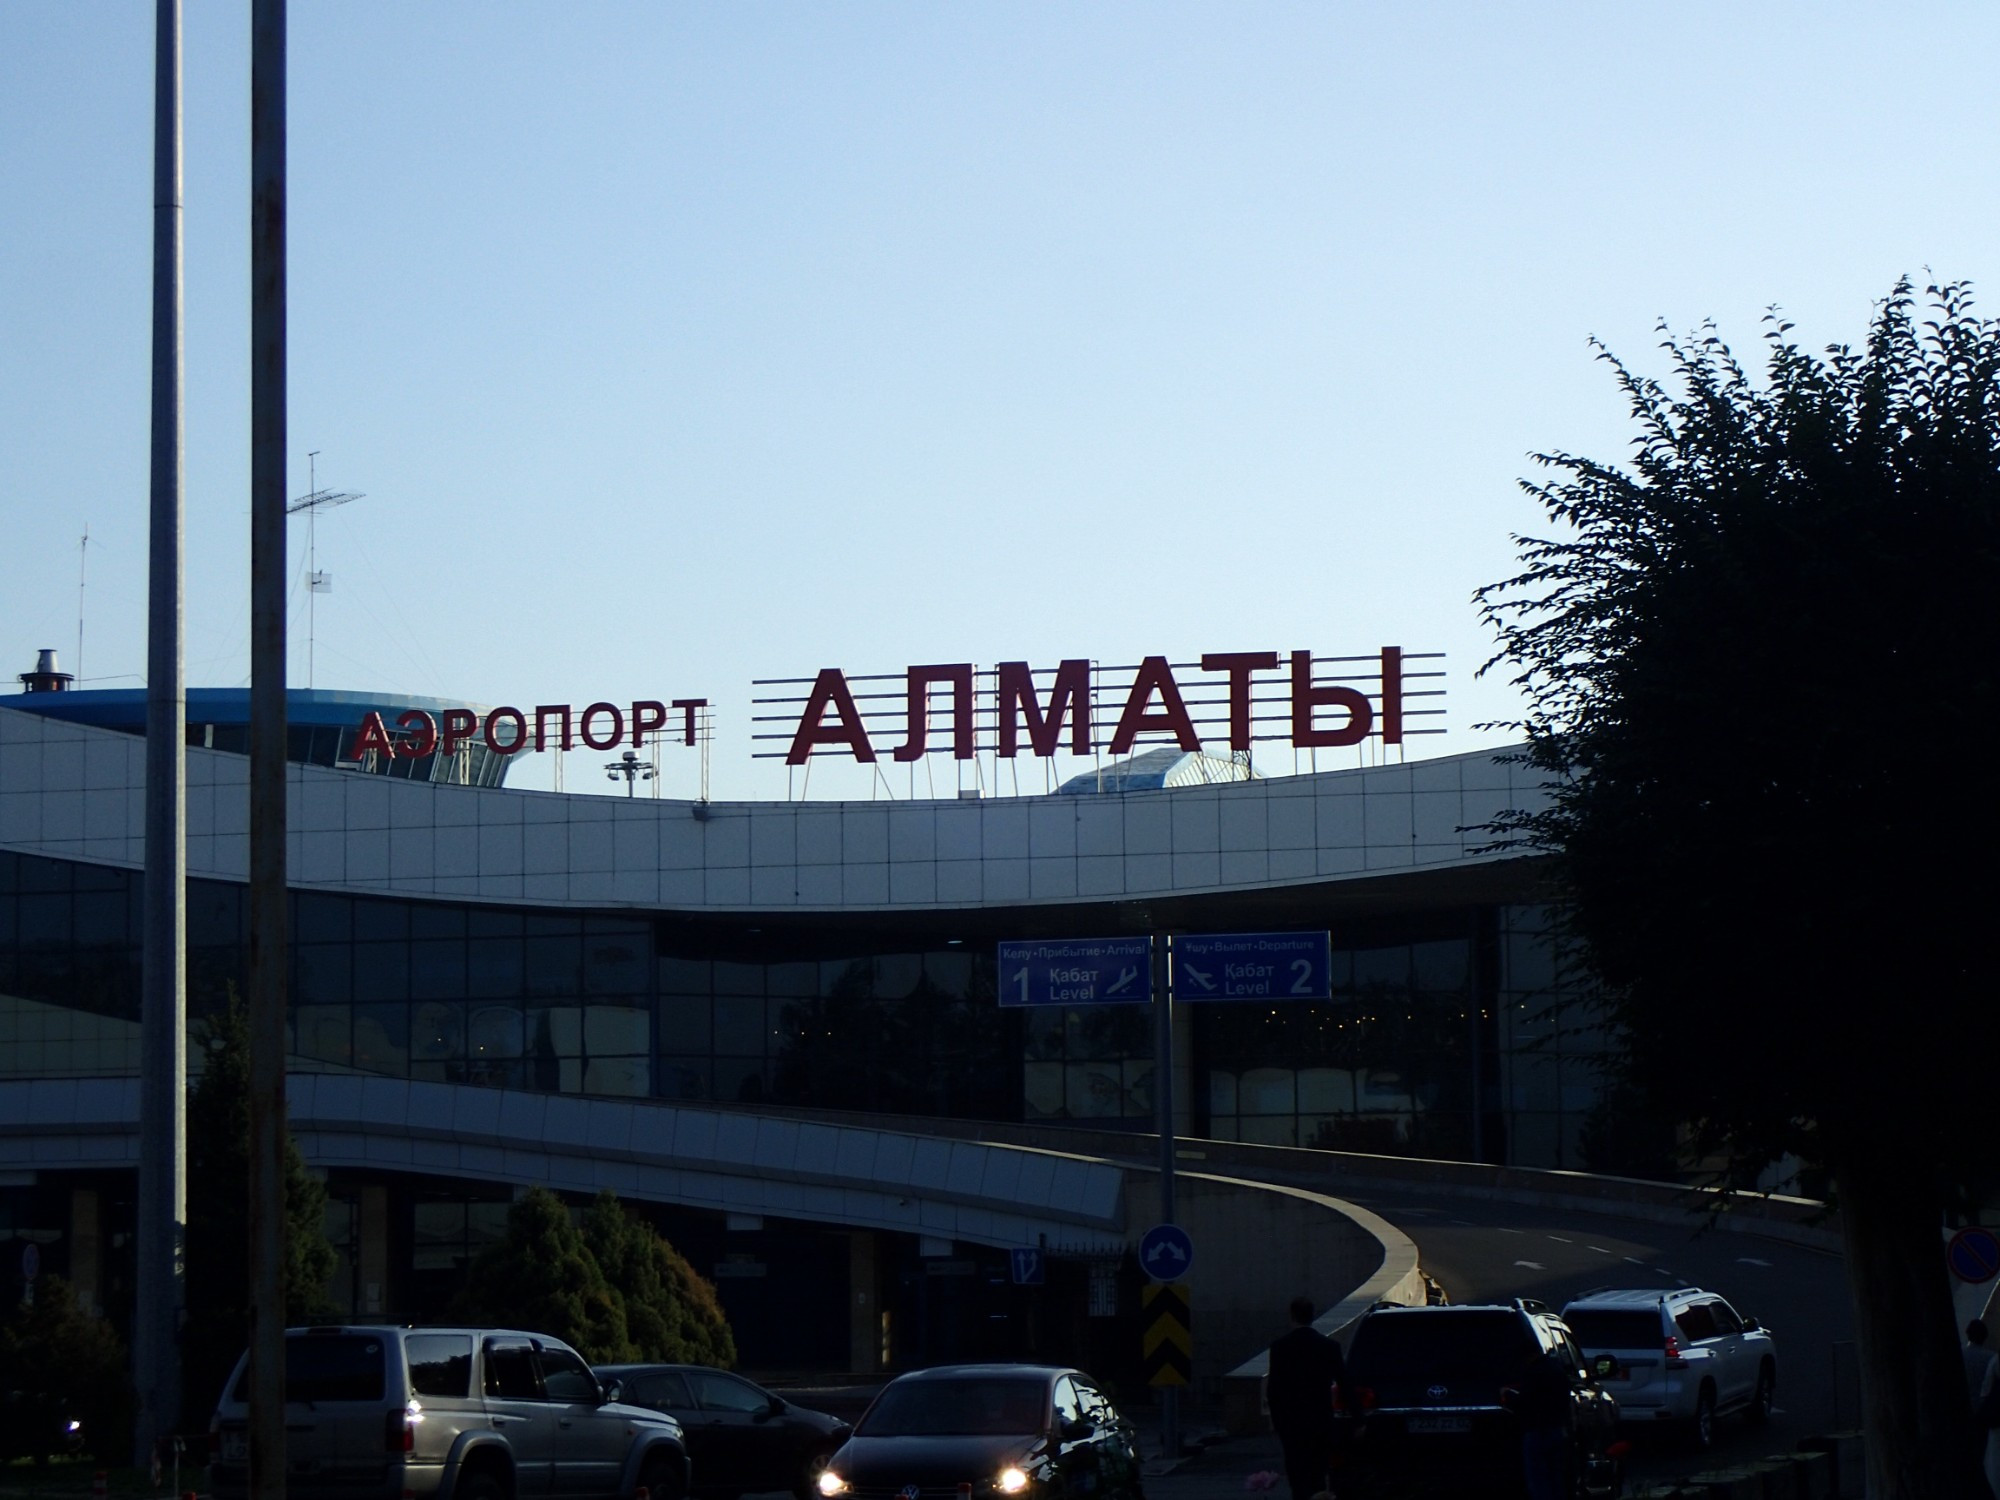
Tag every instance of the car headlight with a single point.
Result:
(1012, 1481)
(831, 1483)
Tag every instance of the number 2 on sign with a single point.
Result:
(1302, 975)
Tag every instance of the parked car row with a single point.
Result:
(385, 1413)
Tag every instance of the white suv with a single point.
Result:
(1683, 1356)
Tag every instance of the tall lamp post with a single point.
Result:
(631, 768)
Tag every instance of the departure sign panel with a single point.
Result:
(1253, 966)
(1080, 971)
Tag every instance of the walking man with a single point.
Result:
(1305, 1365)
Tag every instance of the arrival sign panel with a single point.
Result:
(1253, 966)
(1080, 971)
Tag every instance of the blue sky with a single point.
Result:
(678, 346)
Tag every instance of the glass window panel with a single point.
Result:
(1326, 1090)
(324, 1032)
(684, 1023)
(1441, 966)
(569, 1075)
(437, 1030)
(1268, 1130)
(552, 965)
(557, 1031)
(45, 919)
(846, 976)
(739, 979)
(617, 1030)
(430, 920)
(1221, 1092)
(1042, 1090)
(483, 922)
(320, 918)
(214, 914)
(437, 969)
(495, 967)
(614, 965)
(1382, 968)
(495, 1032)
(950, 972)
(381, 1034)
(626, 1076)
(1093, 1091)
(797, 981)
(381, 921)
(381, 971)
(325, 973)
(99, 916)
(551, 924)
(739, 1025)
(684, 976)
(486, 1223)
(896, 974)
(740, 1079)
(44, 874)
(439, 1236)
(684, 1078)
(1267, 1091)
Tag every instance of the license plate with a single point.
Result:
(236, 1447)
(1439, 1424)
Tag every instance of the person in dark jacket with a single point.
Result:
(1543, 1409)
(1305, 1365)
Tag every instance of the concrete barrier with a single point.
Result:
(1813, 1474)
(1726, 1484)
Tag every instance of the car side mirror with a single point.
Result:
(611, 1390)
(1751, 1325)
(1604, 1367)
(777, 1407)
(1074, 1428)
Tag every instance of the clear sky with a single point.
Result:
(679, 345)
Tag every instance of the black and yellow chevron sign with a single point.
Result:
(1168, 1344)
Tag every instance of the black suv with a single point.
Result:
(1429, 1392)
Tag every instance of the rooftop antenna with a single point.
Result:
(82, 570)
(312, 502)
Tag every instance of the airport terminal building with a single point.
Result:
(485, 981)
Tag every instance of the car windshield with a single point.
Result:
(328, 1367)
(1609, 1328)
(988, 1406)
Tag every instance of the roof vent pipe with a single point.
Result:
(45, 678)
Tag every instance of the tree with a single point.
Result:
(541, 1276)
(65, 1364)
(671, 1312)
(612, 1289)
(1762, 664)
(218, 1218)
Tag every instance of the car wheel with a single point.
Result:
(660, 1477)
(1701, 1431)
(1760, 1403)
(482, 1483)
(808, 1486)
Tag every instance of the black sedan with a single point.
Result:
(741, 1439)
(1040, 1432)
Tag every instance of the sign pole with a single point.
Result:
(1163, 1105)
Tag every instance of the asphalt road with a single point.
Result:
(1485, 1252)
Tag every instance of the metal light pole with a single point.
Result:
(162, 1206)
(267, 748)
(1163, 1103)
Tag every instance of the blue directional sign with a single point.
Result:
(1027, 1265)
(1165, 1252)
(1253, 966)
(1081, 971)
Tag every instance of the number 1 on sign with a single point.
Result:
(1022, 976)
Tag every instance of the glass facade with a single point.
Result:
(1453, 1035)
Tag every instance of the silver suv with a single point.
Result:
(1683, 1356)
(448, 1414)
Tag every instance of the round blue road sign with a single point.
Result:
(1974, 1255)
(1166, 1252)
